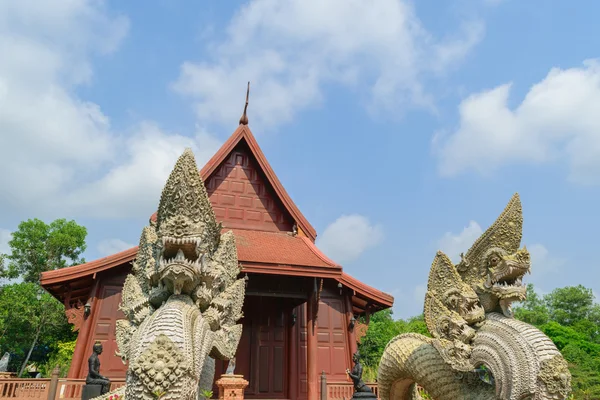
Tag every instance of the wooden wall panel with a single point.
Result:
(242, 197)
(103, 330)
(332, 340)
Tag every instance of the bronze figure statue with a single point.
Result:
(94, 377)
(360, 388)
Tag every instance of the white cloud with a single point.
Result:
(5, 236)
(454, 244)
(348, 237)
(542, 262)
(289, 50)
(107, 247)
(62, 148)
(135, 183)
(557, 120)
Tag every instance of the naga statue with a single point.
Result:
(183, 299)
(469, 316)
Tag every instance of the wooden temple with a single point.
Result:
(300, 309)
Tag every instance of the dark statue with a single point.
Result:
(361, 390)
(94, 377)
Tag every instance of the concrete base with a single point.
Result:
(231, 387)
(90, 391)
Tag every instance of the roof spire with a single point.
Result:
(244, 117)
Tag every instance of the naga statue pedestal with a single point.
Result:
(231, 387)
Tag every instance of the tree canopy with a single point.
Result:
(37, 247)
(35, 324)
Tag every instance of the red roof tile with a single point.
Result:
(278, 248)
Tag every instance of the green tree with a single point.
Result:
(382, 329)
(570, 304)
(37, 247)
(61, 357)
(533, 310)
(33, 319)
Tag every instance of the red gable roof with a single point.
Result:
(261, 251)
(243, 135)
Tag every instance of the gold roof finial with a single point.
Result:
(244, 117)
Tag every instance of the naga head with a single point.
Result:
(494, 266)
(446, 324)
(452, 334)
(186, 227)
(446, 285)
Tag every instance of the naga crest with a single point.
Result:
(446, 285)
(186, 227)
(451, 306)
(495, 265)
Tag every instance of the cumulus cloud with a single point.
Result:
(348, 237)
(542, 262)
(64, 156)
(556, 121)
(107, 247)
(291, 49)
(454, 244)
(135, 183)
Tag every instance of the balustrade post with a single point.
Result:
(323, 386)
(53, 383)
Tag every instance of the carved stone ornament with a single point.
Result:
(160, 365)
(468, 313)
(555, 375)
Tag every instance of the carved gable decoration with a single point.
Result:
(75, 316)
(242, 197)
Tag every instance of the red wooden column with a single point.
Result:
(352, 346)
(311, 347)
(79, 354)
(294, 343)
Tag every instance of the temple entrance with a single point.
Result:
(263, 353)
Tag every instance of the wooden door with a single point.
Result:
(262, 354)
(332, 345)
(104, 331)
(271, 351)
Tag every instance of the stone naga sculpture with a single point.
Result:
(468, 313)
(183, 298)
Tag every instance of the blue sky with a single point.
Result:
(398, 128)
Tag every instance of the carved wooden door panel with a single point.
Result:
(271, 350)
(262, 354)
(111, 366)
(332, 350)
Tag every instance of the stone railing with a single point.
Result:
(47, 389)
